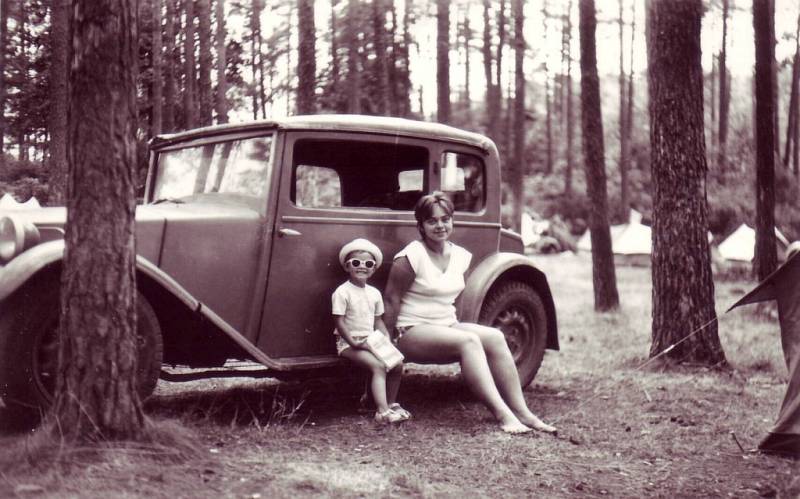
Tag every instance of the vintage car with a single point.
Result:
(237, 243)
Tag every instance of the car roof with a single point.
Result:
(337, 122)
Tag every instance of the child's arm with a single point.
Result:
(380, 326)
(344, 332)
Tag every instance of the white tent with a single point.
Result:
(631, 238)
(740, 246)
(7, 202)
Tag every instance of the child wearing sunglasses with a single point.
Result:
(357, 311)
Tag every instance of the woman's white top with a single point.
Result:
(431, 297)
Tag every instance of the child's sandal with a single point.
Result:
(388, 417)
(399, 410)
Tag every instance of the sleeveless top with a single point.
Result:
(431, 297)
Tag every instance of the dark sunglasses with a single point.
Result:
(355, 262)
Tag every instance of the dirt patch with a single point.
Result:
(624, 431)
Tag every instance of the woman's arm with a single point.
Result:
(401, 277)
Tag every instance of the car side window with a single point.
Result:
(328, 173)
(464, 180)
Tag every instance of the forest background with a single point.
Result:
(262, 59)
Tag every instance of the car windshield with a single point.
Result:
(235, 167)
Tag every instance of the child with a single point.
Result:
(357, 310)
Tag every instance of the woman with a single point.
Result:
(424, 281)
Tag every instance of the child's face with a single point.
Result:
(358, 271)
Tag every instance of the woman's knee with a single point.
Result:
(469, 341)
(493, 340)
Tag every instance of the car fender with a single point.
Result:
(26, 265)
(500, 267)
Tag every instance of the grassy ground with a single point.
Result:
(625, 430)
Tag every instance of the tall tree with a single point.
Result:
(604, 277)
(381, 75)
(222, 78)
(570, 118)
(492, 102)
(791, 121)
(306, 58)
(623, 126)
(96, 394)
(168, 122)
(158, 81)
(467, 33)
(548, 168)
(766, 258)
(204, 75)
(519, 163)
(3, 51)
(57, 122)
(353, 78)
(190, 80)
(724, 93)
(443, 60)
(683, 290)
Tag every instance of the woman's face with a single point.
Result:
(438, 226)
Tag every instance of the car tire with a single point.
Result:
(518, 311)
(29, 352)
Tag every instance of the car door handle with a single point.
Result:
(288, 232)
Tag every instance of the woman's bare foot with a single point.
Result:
(515, 427)
(537, 424)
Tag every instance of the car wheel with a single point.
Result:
(517, 310)
(29, 352)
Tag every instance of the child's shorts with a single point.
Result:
(342, 345)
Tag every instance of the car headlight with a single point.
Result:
(16, 235)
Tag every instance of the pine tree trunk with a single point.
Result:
(765, 259)
(96, 393)
(157, 62)
(623, 126)
(519, 164)
(443, 61)
(381, 68)
(683, 290)
(467, 66)
(306, 58)
(204, 76)
(548, 167)
(57, 122)
(222, 63)
(170, 63)
(4, 4)
(724, 95)
(394, 59)
(498, 79)
(190, 81)
(353, 78)
(629, 97)
(570, 118)
(492, 111)
(791, 121)
(603, 273)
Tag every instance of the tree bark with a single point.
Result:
(548, 167)
(306, 58)
(170, 61)
(222, 64)
(59, 97)
(492, 110)
(96, 396)
(443, 61)
(157, 62)
(519, 166)
(623, 126)
(204, 76)
(791, 120)
(3, 43)
(766, 258)
(724, 95)
(603, 273)
(381, 75)
(190, 81)
(353, 78)
(683, 290)
(570, 118)
(467, 66)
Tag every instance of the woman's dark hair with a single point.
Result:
(424, 207)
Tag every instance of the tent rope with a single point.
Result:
(637, 368)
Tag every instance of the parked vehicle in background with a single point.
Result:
(237, 247)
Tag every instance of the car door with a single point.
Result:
(334, 187)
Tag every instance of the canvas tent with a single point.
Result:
(630, 242)
(783, 285)
(7, 202)
(740, 245)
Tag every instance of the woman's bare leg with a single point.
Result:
(377, 382)
(501, 364)
(426, 343)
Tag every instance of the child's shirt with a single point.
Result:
(359, 306)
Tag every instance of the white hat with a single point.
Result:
(361, 244)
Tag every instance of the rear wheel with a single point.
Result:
(517, 309)
(29, 352)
